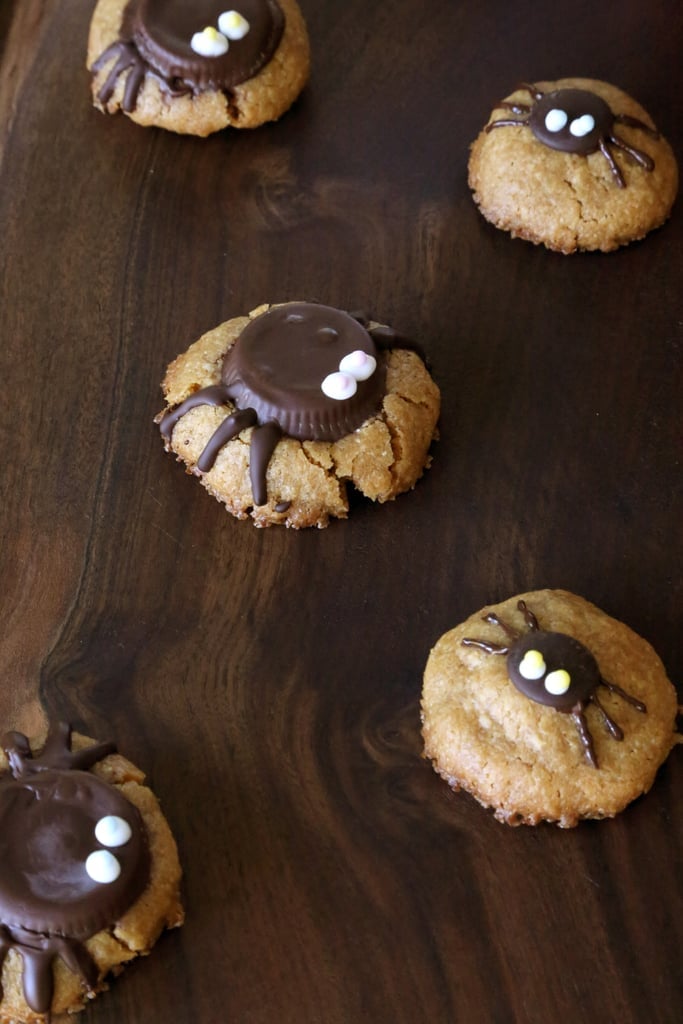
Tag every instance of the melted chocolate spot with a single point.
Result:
(576, 105)
(560, 652)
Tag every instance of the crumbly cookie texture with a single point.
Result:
(306, 480)
(264, 97)
(158, 907)
(565, 200)
(525, 759)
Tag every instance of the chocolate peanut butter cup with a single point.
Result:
(282, 359)
(48, 825)
(167, 35)
(76, 854)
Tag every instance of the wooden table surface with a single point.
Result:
(269, 681)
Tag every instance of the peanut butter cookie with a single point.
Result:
(573, 164)
(198, 67)
(277, 411)
(545, 708)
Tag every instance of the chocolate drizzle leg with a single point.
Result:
(613, 727)
(126, 57)
(215, 394)
(228, 429)
(484, 645)
(633, 701)
(37, 954)
(262, 447)
(579, 717)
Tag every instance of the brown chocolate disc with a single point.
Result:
(278, 365)
(561, 673)
(571, 120)
(162, 31)
(47, 833)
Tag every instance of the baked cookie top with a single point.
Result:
(574, 164)
(89, 871)
(276, 411)
(197, 67)
(545, 708)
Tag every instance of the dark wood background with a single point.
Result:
(269, 681)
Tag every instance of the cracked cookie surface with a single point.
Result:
(305, 480)
(571, 200)
(523, 758)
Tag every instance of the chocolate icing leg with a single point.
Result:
(228, 429)
(263, 442)
(584, 734)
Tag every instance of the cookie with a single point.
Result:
(198, 67)
(545, 708)
(575, 165)
(276, 412)
(89, 872)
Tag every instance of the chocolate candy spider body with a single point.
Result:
(189, 48)
(74, 856)
(576, 121)
(556, 670)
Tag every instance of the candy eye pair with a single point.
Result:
(556, 120)
(354, 367)
(101, 865)
(533, 666)
(212, 42)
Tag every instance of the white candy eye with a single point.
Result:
(555, 120)
(532, 665)
(358, 364)
(233, 25)
(557, 682)
(209, 43)
(583, 125)
(112, 831)
(103, 867)
(339, 386)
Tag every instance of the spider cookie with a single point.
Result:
(545, 708)
(197, 67)
(575, 165)
(89, 872)
(277, 411)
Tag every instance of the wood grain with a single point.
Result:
(269, 681)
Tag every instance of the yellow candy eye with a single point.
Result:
(233, 25)
(209, 42)
(557, 682)
(532, 665)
